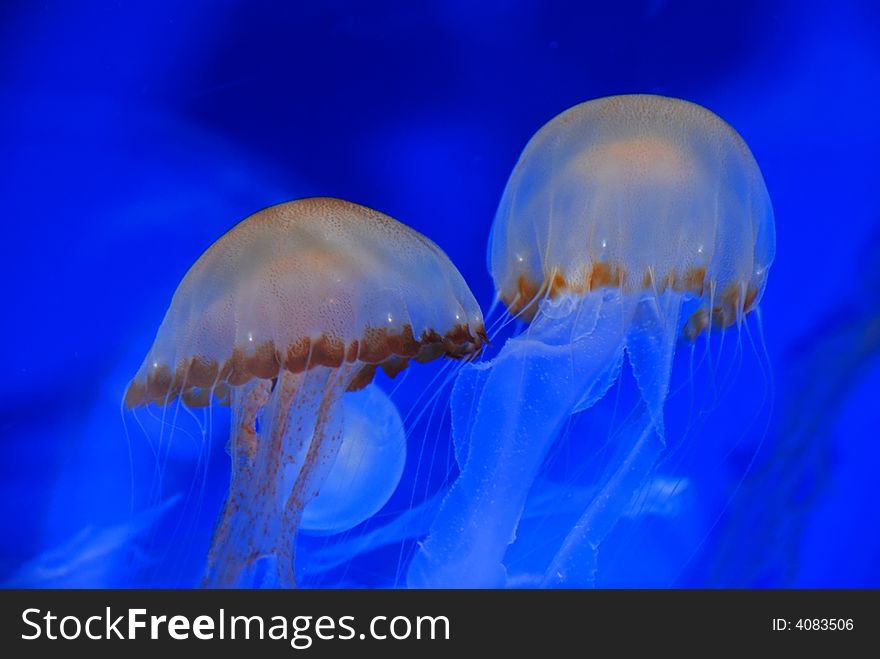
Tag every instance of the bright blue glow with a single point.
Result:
(563, 363)
(134, 136)
(366, 470)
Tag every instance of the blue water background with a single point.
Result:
(133, 134)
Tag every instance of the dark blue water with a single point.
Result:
(133, 136)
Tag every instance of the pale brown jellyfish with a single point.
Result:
(618, 212)
(291, 308)
(636, 193)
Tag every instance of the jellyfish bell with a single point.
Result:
(367, 468)
(291, 308)
(640, 193)
(314, 282)
(619, 212)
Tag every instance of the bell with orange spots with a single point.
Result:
(282, 315)
(619, 212)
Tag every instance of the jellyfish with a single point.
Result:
(366, 470)
(621, 214)
(283, 315)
